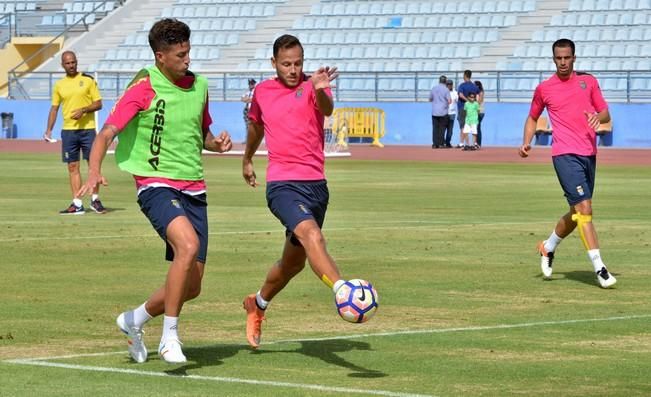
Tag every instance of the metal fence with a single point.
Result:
(506, 86)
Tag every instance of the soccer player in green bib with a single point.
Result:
(164, 124)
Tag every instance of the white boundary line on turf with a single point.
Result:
(222, 379)
(461, 329)
(42, 361)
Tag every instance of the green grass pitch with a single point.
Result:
(450, 248)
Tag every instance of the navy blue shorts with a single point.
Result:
(162, 205)
(295, 201)
(72, 141)
(576, 175)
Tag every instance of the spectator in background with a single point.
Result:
(465, 89)
(471, 108)
(246, 98)
(80, 97)
(440, 98)
(452, 113)
(480, 101)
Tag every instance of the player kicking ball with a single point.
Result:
(288, 112)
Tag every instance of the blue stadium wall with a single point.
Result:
(406, 123)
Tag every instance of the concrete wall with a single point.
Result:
(22, 48)
(406, 123)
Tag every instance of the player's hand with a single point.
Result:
(593, 119)
(524, 150)
(47, 137)
(92, 181)
(248, 173)
(223, 142)
(76, 114)
(322, 77)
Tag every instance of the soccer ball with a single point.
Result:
(356, 301)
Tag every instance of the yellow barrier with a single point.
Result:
(358, 123)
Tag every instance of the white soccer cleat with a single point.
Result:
(170, 351)
(546, 259)
(606, 280)
(136, 345)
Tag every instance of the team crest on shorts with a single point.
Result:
(299, 92)
(583, 84)
(176, 203)
(579, 189)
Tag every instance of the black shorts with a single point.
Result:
(295, 201)
(576, 175)
(161, 205)
(72, 141)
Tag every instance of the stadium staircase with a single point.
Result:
(516, 35)
(110, 32)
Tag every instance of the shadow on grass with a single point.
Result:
(582, 276)
(322, 350)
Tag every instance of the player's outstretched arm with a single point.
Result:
(98, 151)
(254, 136)
(220, 144)
(529, 131)
(321, 79)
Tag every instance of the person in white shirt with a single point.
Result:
(452, 113)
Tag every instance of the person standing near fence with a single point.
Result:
(288, 111)
(452, 113)
(482, 112)
(465, 89)
(247, 97)
(80, 97)
(576, 108)
(440, 98)
(164, 125)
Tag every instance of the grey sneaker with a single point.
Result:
(136, 345)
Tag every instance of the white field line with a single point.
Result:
(42, 360)
(303, 386)
(423, 225)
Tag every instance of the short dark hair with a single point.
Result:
(563, 43)
(252, 81)
(286, 41)
(167, 32)
(467, 73)
(449, 82)
(443, 79)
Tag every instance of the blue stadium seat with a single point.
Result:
(489, 6)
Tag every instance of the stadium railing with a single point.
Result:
(357, 86)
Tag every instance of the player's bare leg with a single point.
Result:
(583, 218)
(185, 243)
(311, 238)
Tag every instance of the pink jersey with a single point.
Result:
(566, 101)
(137, 98)
(293, 130)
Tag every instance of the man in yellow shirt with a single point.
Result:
(80, 97)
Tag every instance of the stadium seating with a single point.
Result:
(426, 37)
